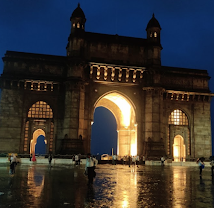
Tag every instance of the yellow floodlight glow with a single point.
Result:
(176, 154)
(134, 148)
(124, 106)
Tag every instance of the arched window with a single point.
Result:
(40, 110)
(178, 117)
(155, 34)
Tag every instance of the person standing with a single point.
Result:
(50, 159)
(212, 166)
(12, 163)
(30, 157)
(137, 160)
(144, 160)
(79, 160)
(200, 163)
(133, 160)
(114, 159)
(76, 159)
(162, 160)
(89, 168)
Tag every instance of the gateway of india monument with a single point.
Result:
(159, 110)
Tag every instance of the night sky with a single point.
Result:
(43, 26)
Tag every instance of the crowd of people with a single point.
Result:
(91, 163)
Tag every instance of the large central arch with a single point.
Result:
(124, 112)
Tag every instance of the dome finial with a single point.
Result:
(78, 13)
(153, 22)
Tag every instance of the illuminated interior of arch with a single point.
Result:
(33, 142)
(179, 153)
(125, 117)
(124, 106)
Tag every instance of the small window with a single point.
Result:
(150, 35)
(73, 25)
(78, 25)
(155, 34)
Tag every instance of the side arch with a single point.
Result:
(178, 130)
(39, 121)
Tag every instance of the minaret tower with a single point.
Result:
(153, 37)
(75, 40)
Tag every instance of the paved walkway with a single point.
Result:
(115, 186)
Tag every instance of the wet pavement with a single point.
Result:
(117, 186)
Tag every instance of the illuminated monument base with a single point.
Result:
(159, 110)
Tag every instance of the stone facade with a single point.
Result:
(169, 106)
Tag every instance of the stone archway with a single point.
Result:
(179, 149)
(124, 113)
(33, 142)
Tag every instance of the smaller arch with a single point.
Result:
(33, 142)
(179, 149)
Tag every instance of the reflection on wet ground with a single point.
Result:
(115, 186)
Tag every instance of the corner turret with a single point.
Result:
(77, 19)
(153, 30)
(76, 38)
(153, 37)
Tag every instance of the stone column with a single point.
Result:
(153, 114)
(202, 129)
(71, 115)
(11, 120)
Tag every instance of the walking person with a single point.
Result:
(12, 163)
(90, 168)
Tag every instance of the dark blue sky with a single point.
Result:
(43, 26)
(104, 132)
